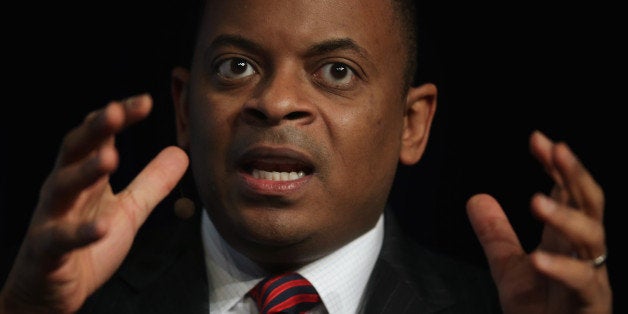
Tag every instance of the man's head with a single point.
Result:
(295, 115)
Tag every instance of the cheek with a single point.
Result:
(206, 131)
(371, 134)
(211, 125)
(211, 130)
(367, 142)
(211, 120)
(366, 148)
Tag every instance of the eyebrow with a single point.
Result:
(234, 40)
(336, 44)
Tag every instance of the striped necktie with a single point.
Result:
(285, 293)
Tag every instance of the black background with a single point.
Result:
(502, 70)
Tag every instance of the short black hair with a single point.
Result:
(405, 10)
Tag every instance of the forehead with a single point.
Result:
(299, 23)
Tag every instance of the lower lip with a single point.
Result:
(273, 188)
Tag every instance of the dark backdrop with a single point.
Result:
(503, 70)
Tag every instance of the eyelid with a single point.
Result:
(332, 66)
(353, 66)
(220, 59)
(336, 87)
(225, 80)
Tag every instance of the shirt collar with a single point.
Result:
(340, 277)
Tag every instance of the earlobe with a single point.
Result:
(179, 91)
(420, 109)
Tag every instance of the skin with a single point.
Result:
(550, 279)
(287, 115)
(350, 129)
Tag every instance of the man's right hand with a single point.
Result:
(81, 231)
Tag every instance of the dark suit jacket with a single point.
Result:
(165, 273)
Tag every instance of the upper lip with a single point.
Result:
(276, 155)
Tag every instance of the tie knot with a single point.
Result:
(285, 293)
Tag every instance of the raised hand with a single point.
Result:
(561, 275)
(81, 231)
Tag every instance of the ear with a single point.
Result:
(420, 109)
(179, 91)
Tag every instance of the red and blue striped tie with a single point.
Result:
(285, 293)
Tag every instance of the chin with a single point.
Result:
(275, 227)
(277, 237)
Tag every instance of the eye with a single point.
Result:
(336, 75)
(234, 68)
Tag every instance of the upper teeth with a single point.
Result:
(276, 175)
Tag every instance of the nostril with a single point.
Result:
(296, 115)
(258, 115)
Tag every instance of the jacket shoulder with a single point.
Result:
(164, 272)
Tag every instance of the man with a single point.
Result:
(294, 117)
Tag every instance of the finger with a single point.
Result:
(497, 237)
(579, 275)
(100, 126)
(583, 189)
(64, 237)
(585, 234)
(136, 108)
(541, 148)
(569, 174)
(157, 179)
(64, 185)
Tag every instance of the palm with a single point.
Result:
(524, 290)
(86, 268)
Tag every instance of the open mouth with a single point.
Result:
(277, 169)
(267, 170)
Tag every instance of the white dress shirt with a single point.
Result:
(340, 277)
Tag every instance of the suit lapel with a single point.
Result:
(402, 281)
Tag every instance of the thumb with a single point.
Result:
(495, 233)
(157, 179)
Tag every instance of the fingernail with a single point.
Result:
(543, 260)
(540, 133)
(134, 101)
(543, 138)
(547, 204)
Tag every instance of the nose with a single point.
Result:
(281, 99)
